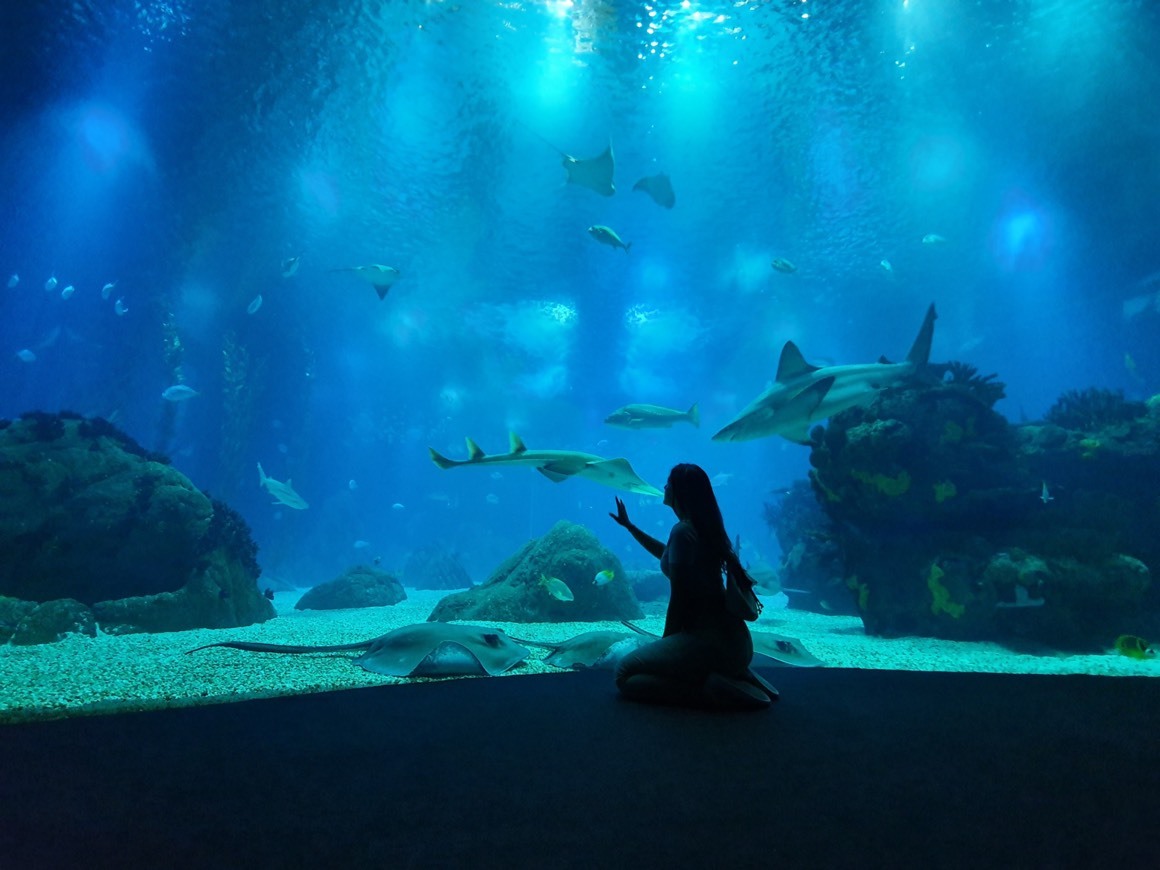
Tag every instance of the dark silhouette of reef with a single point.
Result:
(90, 518)
(933, 515)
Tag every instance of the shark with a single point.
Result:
(802, 394)
(283, 492)
(556, 465)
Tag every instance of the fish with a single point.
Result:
(26, 356)
(784, 266)
(802, 394)
(556, 465)
(603, 578)
(491, 498)
(121, 308)
(290, 266)
(1134, 647)
(352, 484)
(886, 267)
(1044, 495)
(557, 588)
(253, 307)
(13, 280)
(107, 289)
(721, 479)
(381, 277)
(67, 292)
(283, 493)
(398, 506)
(607, 236)
(179, 393)
(932, 239)
(659, 187)
(50, 284)
(652, 417)
(428, 649)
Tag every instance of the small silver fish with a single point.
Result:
(121, 308)
(352, 484)
(398, 506)
(107, 289)
(67, 292)
(933, 239)
(886, 267)
(1044, 495)
(290, 266)
(491, 498)
(784, 266)
(50, 284)
(13, 281)
(253, 307)
(26, 356)
(179, 393)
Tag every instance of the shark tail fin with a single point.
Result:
(439, 459)
(517, 443)
(627, 245)
(920, 351)
(695, 415)
(473, 451)
(261, 475)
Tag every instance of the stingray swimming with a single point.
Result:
(427, 649)
(595, 173)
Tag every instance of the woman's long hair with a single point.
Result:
(690, 488)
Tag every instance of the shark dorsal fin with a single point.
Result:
(792, 364)
(517, 444)
(473, 451)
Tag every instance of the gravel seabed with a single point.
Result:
(116, 674)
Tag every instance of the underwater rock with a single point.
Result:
(650, 585)
(86, 514)
(515, 593)
(435, 567)
(51, 621)
(360, 586)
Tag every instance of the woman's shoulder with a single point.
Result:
(683, 530)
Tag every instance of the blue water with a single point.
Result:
(184, 150)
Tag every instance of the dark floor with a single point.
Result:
(850, 769)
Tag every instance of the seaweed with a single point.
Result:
(966, 377)
(1093, 409)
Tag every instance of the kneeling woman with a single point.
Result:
(703, 658)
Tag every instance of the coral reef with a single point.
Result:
(1093, 409)
(515, 593)
(943, 519)
(87, 515)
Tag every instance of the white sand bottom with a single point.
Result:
(107, 674)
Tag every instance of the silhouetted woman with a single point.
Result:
(703, 657)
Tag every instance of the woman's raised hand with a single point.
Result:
(621, 515)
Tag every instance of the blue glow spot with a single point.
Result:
(1023, 237)
(105, 136)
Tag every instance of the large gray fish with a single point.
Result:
(652, 417)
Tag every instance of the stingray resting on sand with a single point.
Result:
(659, 188)
(427, 649)
(605, 648)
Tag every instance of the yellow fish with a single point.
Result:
(603, 577)
(557, 588)
(1134, 647)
